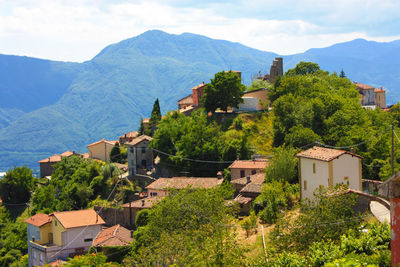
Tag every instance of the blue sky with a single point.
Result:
(76, 30)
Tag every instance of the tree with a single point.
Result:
(304, 68)
(115, 153)
(189, 227)
(342, 74)
(328, 216)
(283, 166)
(16, 185)
(259, 84)
(155, 114)
(225, 90)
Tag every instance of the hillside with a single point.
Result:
(48, 107)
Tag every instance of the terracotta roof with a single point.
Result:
(103, 141)
(85, 155)
(363, 86)
(199, 86)
(257, 178)
(130, 135)
(252, 188)
(183, 182)
(249, 164)
(39, 219)
(187, 109)
(78, 218)
(139, 139)
(186, 100)
(57, 263)
(242, 200)
(113, 236)
(324, 154)
(57, 158)
(144, 203)
(379, 90)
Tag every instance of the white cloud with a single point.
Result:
(78, 30)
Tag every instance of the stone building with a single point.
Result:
(371, 97)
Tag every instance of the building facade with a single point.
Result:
(327, 167)
(140, 158)
(244, 168)
(101, 150)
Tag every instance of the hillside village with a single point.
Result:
(270, 151)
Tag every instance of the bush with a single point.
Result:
(270, 202)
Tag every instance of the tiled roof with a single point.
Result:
(379, 90)
(199, 86)
(113, 236)
(144, 203)
(249, 164)
(103, 141)
(139, 139)
(363, 86)
(130, 135)
(242, 200)
(257, 178)
(85, 155)
(78, 218)
(187, 109)
(253, 91)
(57, 158)
(324, 154)
(252, 188)
(183, 182)
(186, 100)
(39, 219)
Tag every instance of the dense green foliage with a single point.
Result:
(115, 153)
(189, 227)
(16, 185)
(310, 106)
(283, 165)
(225, 90)
(258, 84)
(197, 137)
(74, 183)
(155, 113)
(328, 216)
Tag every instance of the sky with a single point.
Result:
(76, 30)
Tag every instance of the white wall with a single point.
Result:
(347, 166)
(249, 104)
(314, 180)
(72, 233)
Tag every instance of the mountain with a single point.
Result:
(48, 107)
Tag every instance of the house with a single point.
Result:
(61, 235)
(244, 168)
(116, 235)
(131, 209)
(371, 97)
(247, 189)
(161, 186)
(101, 149)
(185, 102)
(46, 165)
(140, 159)
(319, 166)
(255, 100)
(128, 137)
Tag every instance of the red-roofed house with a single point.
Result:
(128, 137)
(371, 96)
(101, 149)
(61, 235)
(116, 235)
(46, 165)
(319, 166)
(244, 168)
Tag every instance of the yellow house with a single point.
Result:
(61, 235)
(101, 149)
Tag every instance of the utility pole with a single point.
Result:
(392, 149)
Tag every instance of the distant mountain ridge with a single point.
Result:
(48, 107)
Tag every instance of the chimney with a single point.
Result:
(352, 150)
(219, 175)
(247, 179)
(125, 135)
(203, 82)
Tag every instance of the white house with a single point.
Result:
(327, 167)
(101, 149)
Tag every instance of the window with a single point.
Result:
(242, 173)
(144, 163)
(88, 239)
(55, 222)
(143, 150)
(41, 257)
(131, 149)
(253, 171)
(305, 185)
(34, 255)
(347, 180)
(313, 167)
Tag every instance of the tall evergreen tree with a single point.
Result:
(155, 113)
(342, 74)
